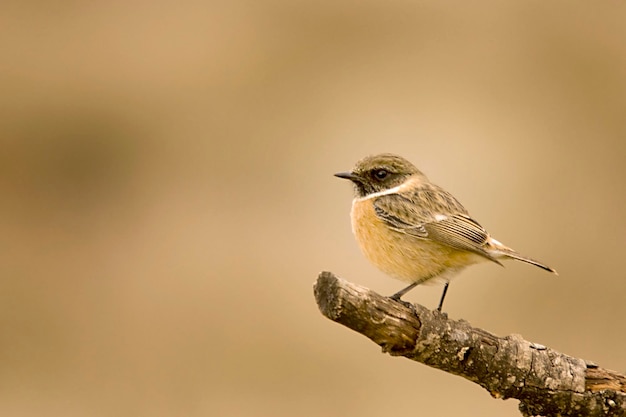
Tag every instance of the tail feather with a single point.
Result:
(499, 250)
(519, 257)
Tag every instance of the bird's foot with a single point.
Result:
(396, 298)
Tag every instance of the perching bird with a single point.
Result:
(414, 230)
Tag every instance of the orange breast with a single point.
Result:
(402, 256)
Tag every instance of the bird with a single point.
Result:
(414, 230)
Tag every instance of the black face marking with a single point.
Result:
(380, 174)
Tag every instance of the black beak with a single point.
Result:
(347, 176)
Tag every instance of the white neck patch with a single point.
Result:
(394, 190)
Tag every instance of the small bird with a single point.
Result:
(414, 230)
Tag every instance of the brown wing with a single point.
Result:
(430, 212)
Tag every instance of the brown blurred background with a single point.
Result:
(168, 198)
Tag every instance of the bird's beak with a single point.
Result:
(347, 175)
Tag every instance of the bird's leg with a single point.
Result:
(403, 291)
(445, 290)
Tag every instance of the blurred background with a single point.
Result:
(168, 198)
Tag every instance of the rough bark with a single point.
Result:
(546, 382)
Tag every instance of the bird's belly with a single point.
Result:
(401, 256)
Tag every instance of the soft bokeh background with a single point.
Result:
(168, 198)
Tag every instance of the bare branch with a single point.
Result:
(546, 382)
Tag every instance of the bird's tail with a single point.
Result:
(499, 250)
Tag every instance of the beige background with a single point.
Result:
(168, 198)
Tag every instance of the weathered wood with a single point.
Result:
(546, 382)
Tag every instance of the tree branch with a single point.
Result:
(546, 382)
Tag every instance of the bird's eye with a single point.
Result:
(381, 174)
